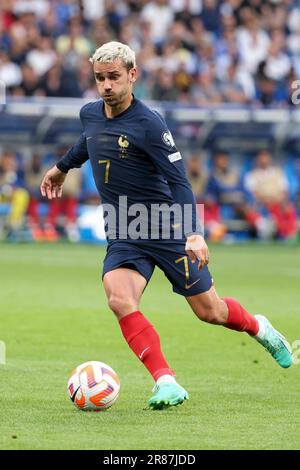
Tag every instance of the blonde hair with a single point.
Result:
(114, 50)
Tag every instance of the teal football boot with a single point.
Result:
(275, 343)
(167, 394)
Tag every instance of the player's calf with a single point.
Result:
(209, 307)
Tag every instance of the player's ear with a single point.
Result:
(132, 75)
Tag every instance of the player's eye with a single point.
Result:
(99, 77)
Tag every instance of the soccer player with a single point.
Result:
(134, 159)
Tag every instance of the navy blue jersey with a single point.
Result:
(132, 155)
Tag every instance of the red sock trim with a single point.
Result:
(145, 343)
(239, 319)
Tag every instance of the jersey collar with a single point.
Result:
(127, 110)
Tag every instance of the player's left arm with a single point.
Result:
(162, 150)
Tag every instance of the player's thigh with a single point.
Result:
(124, 288)
(124, 282)
(126, 271)
(127, 255)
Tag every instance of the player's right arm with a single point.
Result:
(52, 184)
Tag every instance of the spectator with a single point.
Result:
(10, 72)
(253, 42)
(63, 211)
(33, 177)
(277, 64)
(62, 83)
(159, 15)
(39, 7)
(197, 176)
(74, 40)
(236, 86)
(224, 184)
(284, 215)
(13, 192)
(42, 58)
(164, 87)
(224, 194)
(206, 92)
(238, 38)
(93, 10)
(269, 93)
(271, 213)
(31, 81)
(266, 183)
(210, 15)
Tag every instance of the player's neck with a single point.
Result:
(113, 111)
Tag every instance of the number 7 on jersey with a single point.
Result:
(107, 167)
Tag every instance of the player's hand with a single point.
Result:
(52, 184)
(197, 249)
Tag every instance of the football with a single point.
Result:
(93, 386)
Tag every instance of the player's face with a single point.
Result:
(114, 81)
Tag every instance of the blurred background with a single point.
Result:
(224, 74)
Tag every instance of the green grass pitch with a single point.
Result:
(53, 316)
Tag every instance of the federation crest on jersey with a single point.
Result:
(168, 139)
(123, 145)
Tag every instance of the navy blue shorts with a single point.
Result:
(171, 258)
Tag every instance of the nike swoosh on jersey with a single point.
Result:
(188, 286)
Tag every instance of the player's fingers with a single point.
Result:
(43, 187)
(201, 258)
(46, 188)
(201, 264)
(191, 255)
(53, 192)
(59, 192)
(49, 190)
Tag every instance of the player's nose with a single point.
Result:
(107, 84)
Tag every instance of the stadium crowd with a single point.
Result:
(261, 199)
(193, 51)
(200, 52)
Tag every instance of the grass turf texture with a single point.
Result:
(54, 317)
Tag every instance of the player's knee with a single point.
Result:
(121, 305)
